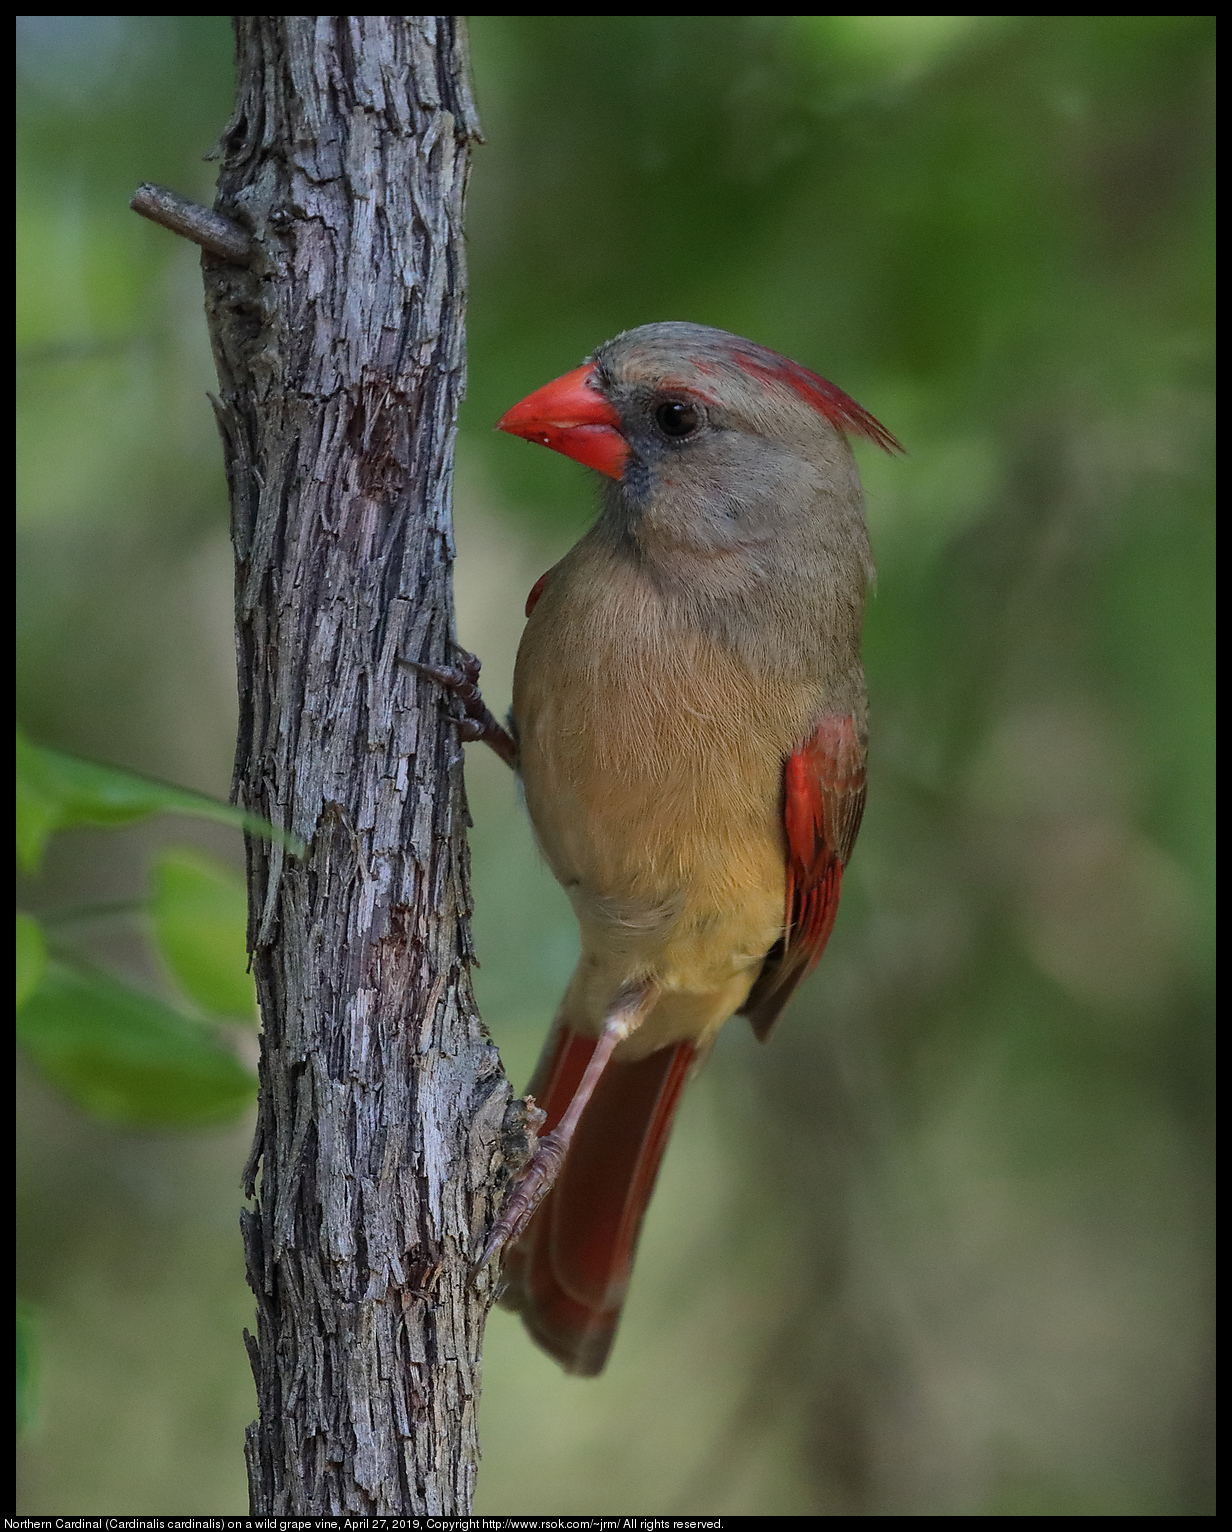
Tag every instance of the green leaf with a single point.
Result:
(27, 1367)
(56, 791)
(200, 914)
(128, 1058)
(31, 957)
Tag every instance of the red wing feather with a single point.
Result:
(569, 1271)
(536, 590)
(823, 801)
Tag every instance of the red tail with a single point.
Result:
(569, 1272)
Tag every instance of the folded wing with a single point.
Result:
(823, 803)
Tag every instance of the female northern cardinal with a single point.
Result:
(689, 722)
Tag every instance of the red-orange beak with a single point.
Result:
(570, 415)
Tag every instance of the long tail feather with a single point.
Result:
(569, 1272)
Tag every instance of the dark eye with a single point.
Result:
(677, 418)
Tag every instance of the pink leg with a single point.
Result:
(533, 1185)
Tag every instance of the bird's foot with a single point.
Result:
(529, 1190)
(628, 1012)
(478, 722)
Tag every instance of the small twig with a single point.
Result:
(80, 912)
(212, 231)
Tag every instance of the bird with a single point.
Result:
(690, 727)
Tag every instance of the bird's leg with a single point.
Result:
(479, 722)
(536, 1180)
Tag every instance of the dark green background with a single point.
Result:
(943, 1245)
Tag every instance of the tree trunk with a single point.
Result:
(339, 347)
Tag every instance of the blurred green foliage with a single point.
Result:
(57, 792)
(31, 957)
(199, 912)
(27, 1380)
(126, 1057)
(943, 1246)
(123, 1055)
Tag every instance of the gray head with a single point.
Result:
(728, 442)
(729, 473)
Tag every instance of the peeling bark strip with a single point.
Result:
(340, 358)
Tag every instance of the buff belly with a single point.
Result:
(659, 813)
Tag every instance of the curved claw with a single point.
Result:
(459, 679)
(478, 723)
(533, 1186)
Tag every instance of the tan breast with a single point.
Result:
(652, 763)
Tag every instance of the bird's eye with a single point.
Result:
(677, 418)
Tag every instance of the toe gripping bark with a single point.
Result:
(478, 722)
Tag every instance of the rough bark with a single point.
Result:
(378, 1150)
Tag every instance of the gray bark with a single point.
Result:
(378, 1152)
